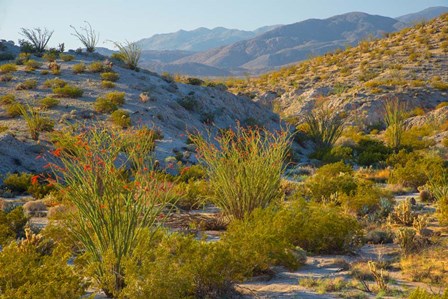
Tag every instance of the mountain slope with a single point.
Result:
(291, 43)
(424, 15)
(200, 39)
(410, 64)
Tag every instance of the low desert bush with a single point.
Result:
(110, 76)
(50, 56)
(244, 168)
(33, 268)
(329, 180)
(79, 68)
(96, 67)
(54, 83)
(412, 169)
(68, 91)
(107, 84)
(115, 97)
(8, 68)
(423, 294)
(12, 224)
(48, 102)
(66, 57)
(104, 105)
(14, 109)
(121, 118)
(18, 182)
(27, 85)
(32, 65)
(370, 152)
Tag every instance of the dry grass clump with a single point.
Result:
(48, 102)
(121, 118)
(54, 83)
(79, 68)
(8, 68)
(68, 91)
(110, 76)
(27, 84)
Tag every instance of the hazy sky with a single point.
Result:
(131, 20)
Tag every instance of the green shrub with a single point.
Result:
(115, 97)
(189, 103)
(50, 56)
(370, 152)
(439, 85)
(68, 91)
(54, 83)
(107, 84)
(121, 118)
(96, 67)
(66, 57)
(23, 57)
(412, 169)
(110, 76)
(79, 68)
(320, 228)
(48, 102)
(12, 225)
(194, 81)
(31, 65)
(423, 294)
(6, 56)
(7, 99)
(245, 169)
(27, 85)
(8, 68)
(104, 105)
(18, 182)
(364, 200)
(329, 180)
(33, 269)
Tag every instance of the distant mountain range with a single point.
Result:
(223, 52)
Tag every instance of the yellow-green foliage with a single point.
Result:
(8, 68)
(7, 99)
(428, 266)
(107, 84)
(68, 91)
(245, 169)
(441, 105)
(121, 118)
(53, 83)
(31, 65)
(417, 137)
(110, 76)
(96, 67)
(49, 56)
(331, 179)
(66, 57)
(18, 182)
(14, 109)
(423, 294)
(412, 169)
(36, 121)
(115, 97)
(27, 84)
(12, 225)
(79, 68)
(104, 105)
(32, 269)
(48, 102)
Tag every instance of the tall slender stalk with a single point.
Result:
(107, 177)
(324, 127)
(244, 167)
(38, 37)
(130, 53)
(88, 37)
(394, 117)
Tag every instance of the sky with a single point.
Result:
(131, 20)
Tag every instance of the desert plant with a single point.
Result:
(244, 168)
(34, 262)
(96, 67)
(324, 127)
(121, 118)
(66, 57)
(48, 102)
(27, 84)
(38, 38)
(438, 185)
(104, 105)
(88, 37)
(18, 182)
(7, 99)
(423, 294)
(50, 56)
(68, 91)
(130, 53)
(79, 68)
(8, 68)
(123, 198)
(379, 276)
(402, 213)
(107, 84)
(35, 121)
(53, 83)
(394, 117)
(110, 76)
(13, 110)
